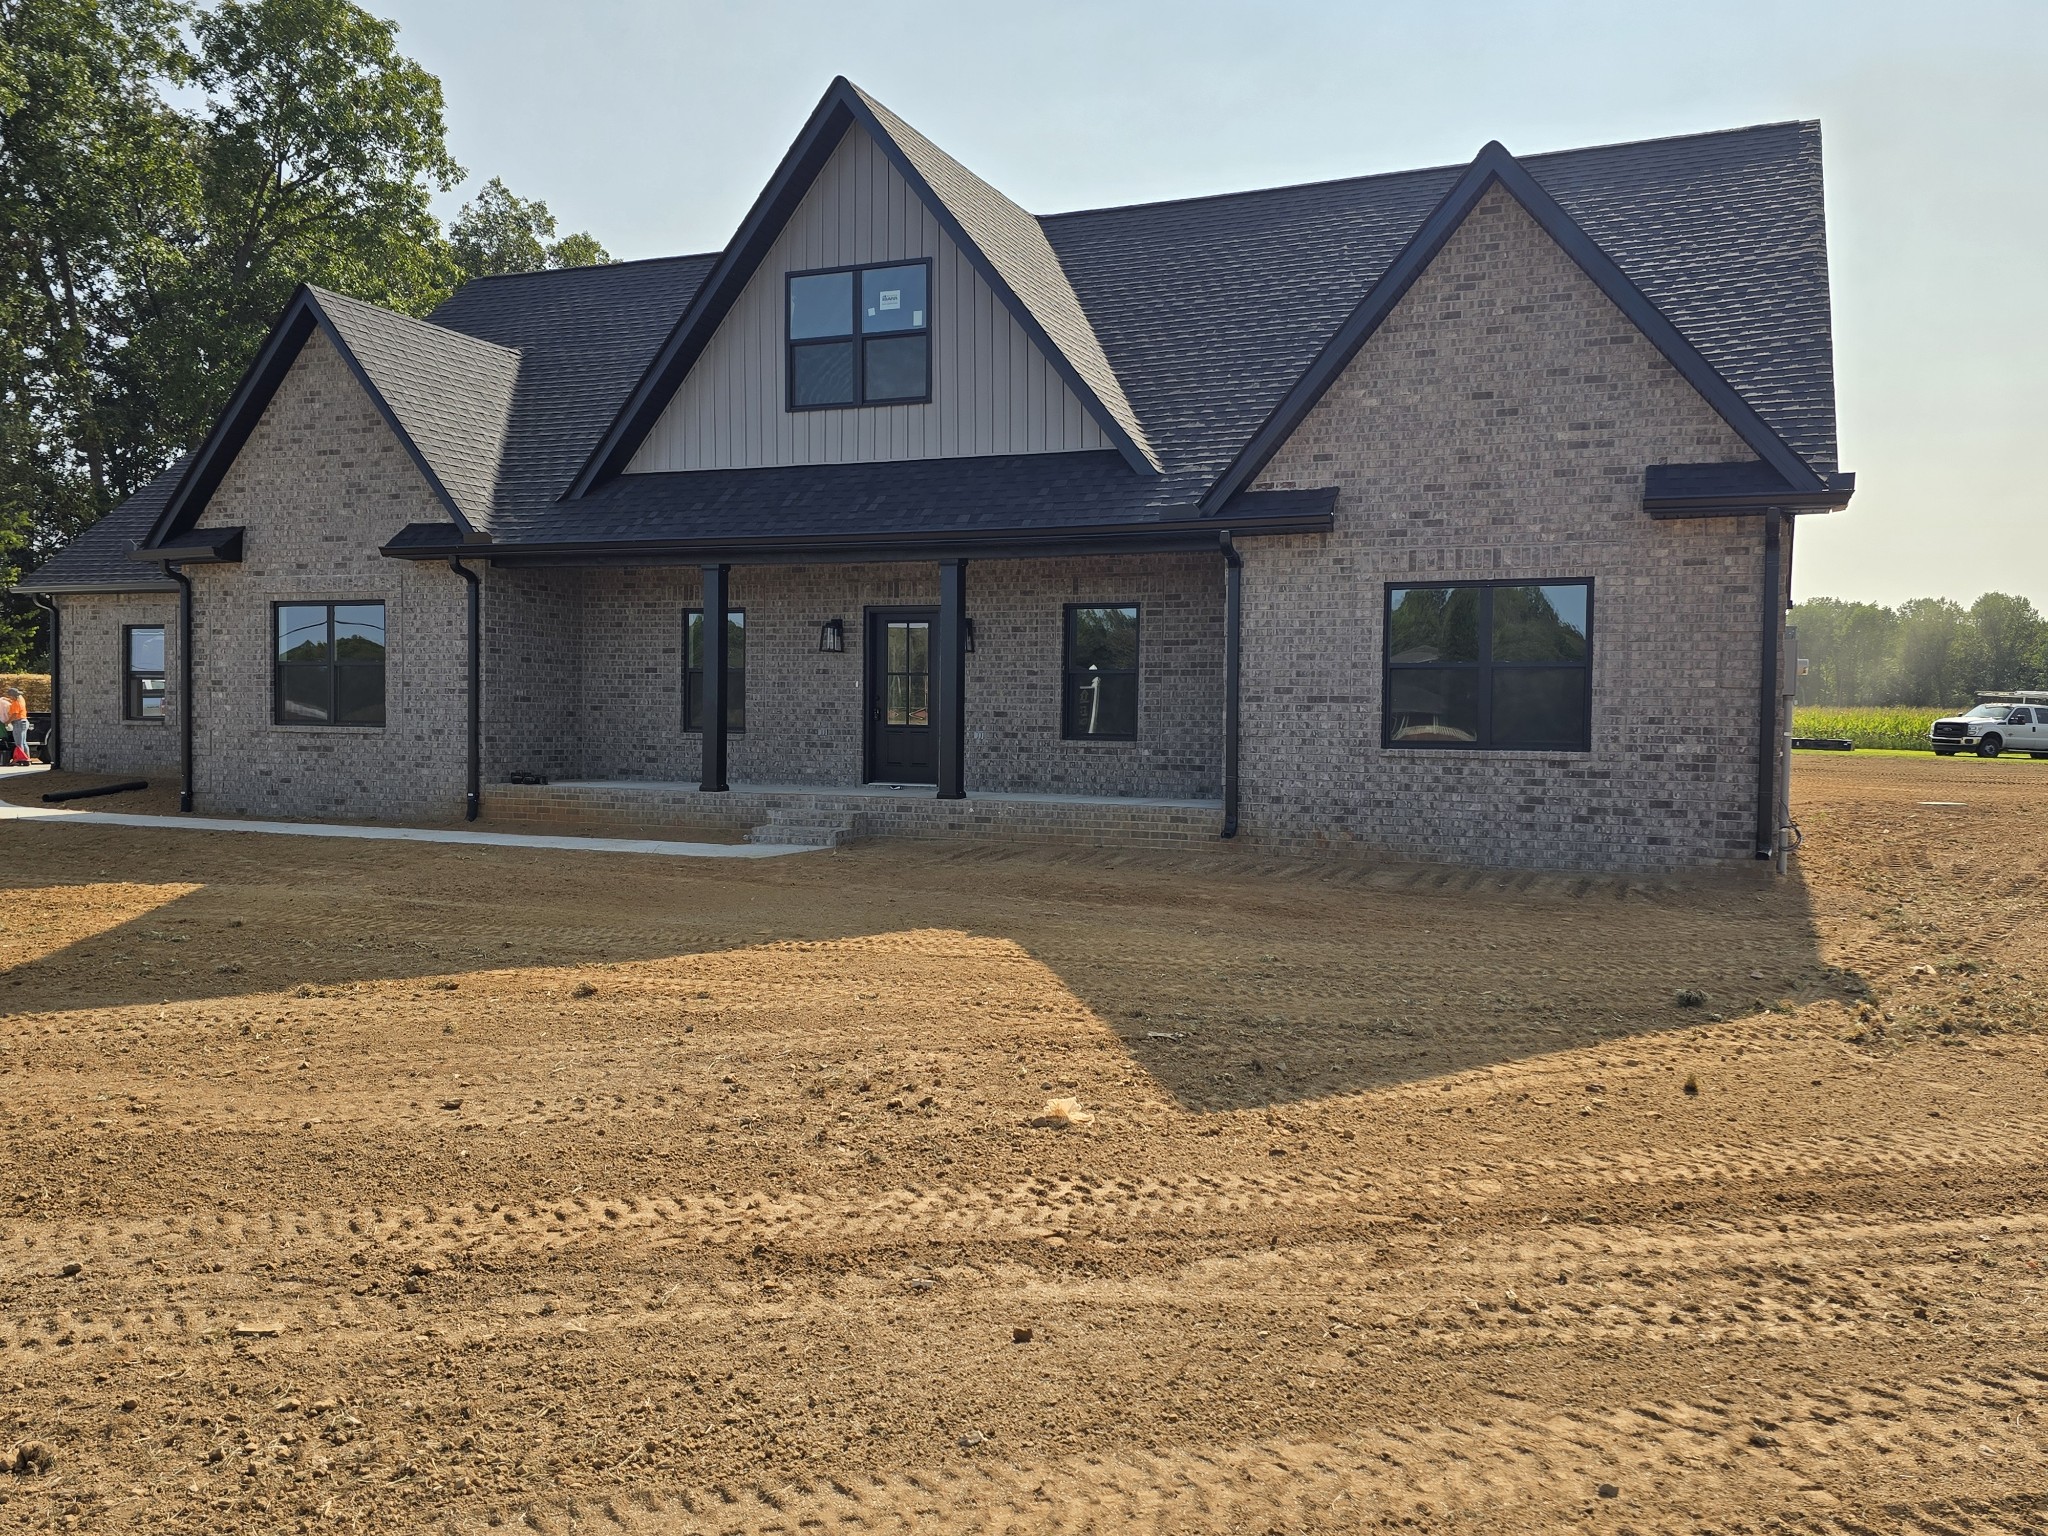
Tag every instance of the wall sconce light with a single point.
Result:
(970, 635)
(832, 635)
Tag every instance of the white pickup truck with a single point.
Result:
(2015, 722)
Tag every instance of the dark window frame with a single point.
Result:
(731, 672)
(333, 665)
(131, 696)
(1136, 671)
(858, 337)
(1483, 668)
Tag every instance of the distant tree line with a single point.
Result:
(1929, 651)
(169, 171)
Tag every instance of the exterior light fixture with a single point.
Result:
(832, 635)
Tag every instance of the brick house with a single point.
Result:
(1446, 514)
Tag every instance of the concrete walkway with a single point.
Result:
(56, 813)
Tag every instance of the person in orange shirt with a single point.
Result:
(14, 715)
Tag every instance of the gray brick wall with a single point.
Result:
(804, 708)
(96, 738)
(321, 483)
(1497, 426)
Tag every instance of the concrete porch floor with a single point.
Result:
(804, 813)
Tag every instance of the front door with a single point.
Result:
(902, 748)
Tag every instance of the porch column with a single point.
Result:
(949, 680)
(716, 607)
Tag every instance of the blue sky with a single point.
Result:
(654, 125)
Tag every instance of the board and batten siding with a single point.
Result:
(993, 391)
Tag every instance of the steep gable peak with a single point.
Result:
(1004, 244)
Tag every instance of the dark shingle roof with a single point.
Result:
(1206, 312)
(98, 558)
(451, 392)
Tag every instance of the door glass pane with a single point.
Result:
(359, 695)
(145, 650)
(302, 694)
(892, 299)
(896, 369)
(917, 648)
(302, 632)
(897, 711)
(1539, 623)
(823, 373)
(919, 696)
(1433, 624)
(1439, 704)
(359, 632)
(1102, 637)
(821, 305)
(1539, 707)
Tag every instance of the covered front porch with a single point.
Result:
(912, 698)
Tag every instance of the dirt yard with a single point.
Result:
(357, 1187)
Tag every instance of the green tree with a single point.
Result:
(1937, 652)
(498, 232)
(2010, 641)
(93, 165)
(1851, 651)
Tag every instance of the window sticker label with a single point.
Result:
(891, 298)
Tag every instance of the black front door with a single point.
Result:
(902, 747)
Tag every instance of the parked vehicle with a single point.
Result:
(2001, 722)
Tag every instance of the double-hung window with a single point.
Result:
(1100, 693)
(860, 336)
(1490, 664)
(735, 669)
(142, 672)
(330, 664)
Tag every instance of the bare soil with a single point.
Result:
(361, 1187)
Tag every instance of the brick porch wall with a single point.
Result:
(96, 738)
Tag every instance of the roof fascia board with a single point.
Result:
(1494, 165)
(840, 109)
(29, 586)
(863, 548)
(210, 465)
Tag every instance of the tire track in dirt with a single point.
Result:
(1840, 1456)
(953, 1213)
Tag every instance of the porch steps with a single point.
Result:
(806, 828)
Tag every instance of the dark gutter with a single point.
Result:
(1233, 611)
(185, 702)
(801, 549)
(1767, 693)
(55, 743)
(472, 799)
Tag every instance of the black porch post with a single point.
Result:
(949, 668)
(716, 605)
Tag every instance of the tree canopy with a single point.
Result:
(1930, 651)
(169, 172)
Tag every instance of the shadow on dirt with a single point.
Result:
(1235, 982)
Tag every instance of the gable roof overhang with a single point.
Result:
(1735, 490)
(302, 316)
(1077, 356)
(1494, 166)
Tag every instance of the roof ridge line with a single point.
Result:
(1417, 170)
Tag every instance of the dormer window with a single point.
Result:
(860, 336)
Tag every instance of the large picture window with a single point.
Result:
(1101, 674)
(735, 669)
(1490, 664)
(860, 336)
(330, 664)
(142, 672)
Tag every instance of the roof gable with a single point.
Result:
(1494, 166)
(1008, 248)
(447, 396)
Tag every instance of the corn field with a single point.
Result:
(1882, 725)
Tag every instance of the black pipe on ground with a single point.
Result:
(59, 796)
